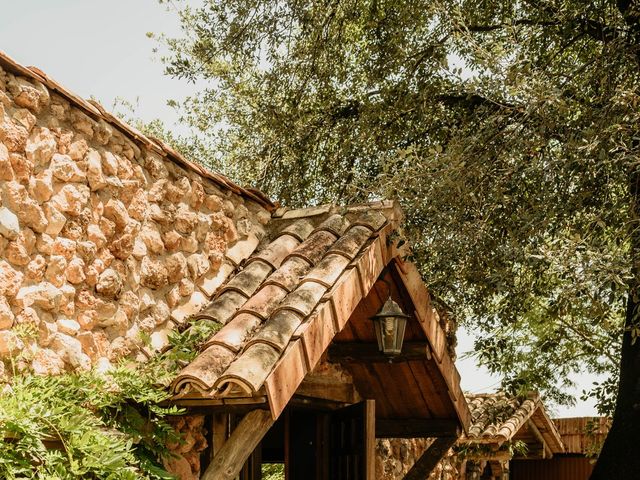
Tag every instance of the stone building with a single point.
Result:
(110, 239)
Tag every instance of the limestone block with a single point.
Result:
(109, 163)
(13, 135)
(25, 118)
(29, 213)
(96, 235)
(65, 169)
(139, 249)
(16, 252)
(33, 96)
(46, 331)
(185, 221)
(152, 238)
(122, 245)
(155, 166)
(47, 362)
(36, 268)
(55, 219)
(75, 271)
(198, 264)
(68, 326)
(78, 149)
(138, 206)
(115, 211)
(40, 146)
(6, 315)
(9, 224)
(41, 186)
(64, 247)
(6, 171)
(70, 350)
(10, 344)
(95, 176)
(213, 203)
(189, 243)
(177, 268)
(172, 240)
(21, 166)
(86, 250)
(10, 279)
(109, 283)
(72, 198)
(153, 274)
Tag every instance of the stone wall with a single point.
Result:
(104, 245)
(396, 456)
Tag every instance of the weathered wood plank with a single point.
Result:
(430, 458)
(228, 461)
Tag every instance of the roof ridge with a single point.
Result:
(95, 110)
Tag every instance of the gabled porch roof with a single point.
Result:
(308, 294)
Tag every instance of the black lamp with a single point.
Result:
(389, 324)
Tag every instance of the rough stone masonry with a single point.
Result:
(102, 242)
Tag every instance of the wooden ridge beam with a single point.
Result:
(430, 458)
(417, 428)
(349, 352)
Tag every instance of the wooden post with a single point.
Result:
(430, 458)
(228, 461)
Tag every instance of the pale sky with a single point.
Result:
(99, 48)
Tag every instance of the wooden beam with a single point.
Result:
(351, 352)
(229, 460)
(430, 458)
(546, 451)
(417, 428)
(335, 391)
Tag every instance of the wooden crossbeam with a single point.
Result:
(430, 458)
(417, 428)
(351, 352)
(229, 460)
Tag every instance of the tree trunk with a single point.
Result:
(619, 458)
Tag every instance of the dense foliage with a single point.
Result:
(507, 130)
(95, 425)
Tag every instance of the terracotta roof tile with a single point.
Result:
(351, 242)
(282, 320)
(371, 219)
(289, 274)
(314, 247)
(304, 298)
(278, 330)
(300, 229)
(327, 271)
(249, 279)
(497, 418)
(235, 333)
(335, 224)
(248, 371)
(223, 307)
(277, 250)
(265, 301)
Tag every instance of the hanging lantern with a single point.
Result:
(389, 324)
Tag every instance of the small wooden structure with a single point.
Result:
(582, 438)
(295, 376)
(503, 429)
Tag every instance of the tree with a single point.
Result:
(507, 130)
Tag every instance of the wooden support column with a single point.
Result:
(229, 460)
(430, 458)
